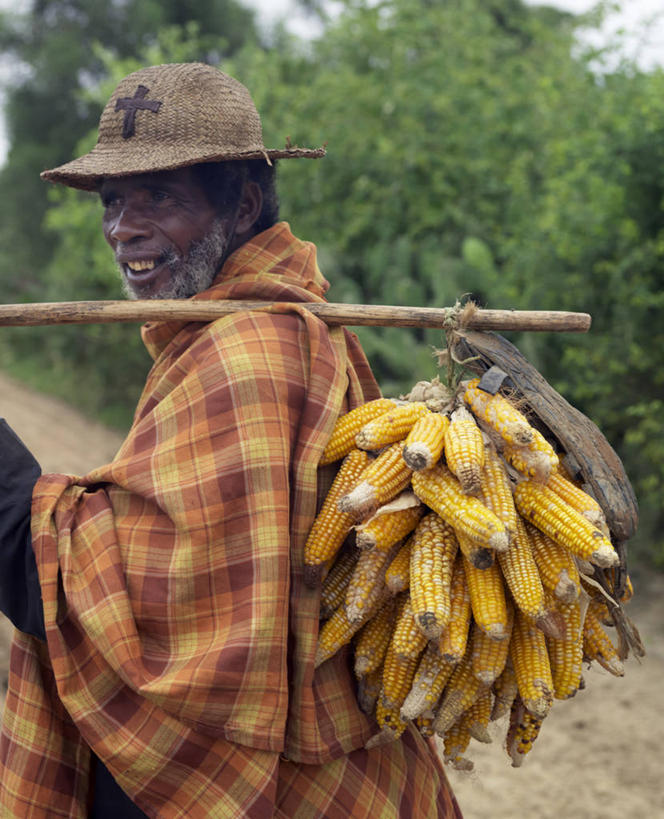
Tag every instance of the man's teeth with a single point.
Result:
(138, 266)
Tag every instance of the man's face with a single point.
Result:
(168, 240)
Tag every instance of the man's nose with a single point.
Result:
(130, 223)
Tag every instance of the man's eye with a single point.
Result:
(160, 196)
(109, 200)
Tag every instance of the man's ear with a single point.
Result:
(250, 208)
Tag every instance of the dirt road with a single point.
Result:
(599, 755)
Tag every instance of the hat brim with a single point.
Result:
(89, 171)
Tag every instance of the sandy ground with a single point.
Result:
(599, 755)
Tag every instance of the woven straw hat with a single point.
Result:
(170, 116)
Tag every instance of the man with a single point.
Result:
(163, 664)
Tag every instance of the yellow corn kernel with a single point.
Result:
(397, 575)
(331, 526)
(398, 674)
(434, 547)
(367, 583)
(464, 450)
(460, 693)
(424, 443)
(385, 529)
(566, 654)
(487, 599)
(562, 523)
(408, 640)
(478, 716)
(523, 731)
(531, 665)
(441, 491)
(556, 565)
(373, 638)
(496, 489)
(348, 425)
(428, 683)
(578, 499)
(505, 691)
(454, 640)
(333, 590)
(489, 656)
(521, 573)
(597, 645)
(383, 479)
(498, 413)
(424, 725)
(393, 425)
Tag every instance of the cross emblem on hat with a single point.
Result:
(130, 105)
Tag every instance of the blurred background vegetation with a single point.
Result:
(474, 147)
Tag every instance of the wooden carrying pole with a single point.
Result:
(93, 312)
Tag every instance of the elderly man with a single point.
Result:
(164, 659)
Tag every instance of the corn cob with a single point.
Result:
(464, 450)
(531, 665)
(424, 444)
(366, 584)
(428, 683)
(537, 460)
(373, 639)
(407, 640)
(523, 731)
(348, 425)
(334, 633)
(498, 413)
(368, 690)
(393, 425)
(556, 565)
(455, 742)
(487, 599)
(454, 640)
(598, 646)
(398, 674)
(460, 693)
(383, 530)
(434, 547)
(478, 716)
(390, 723)
(480, 557)
(578, 499)
(489, 656)
(505, 691)
(383, 479)
(397, 575)
(440, 490)
(333, 590)
(496, 489)
(565, 525)
(566, 653)
(331, 526)
(521, 574)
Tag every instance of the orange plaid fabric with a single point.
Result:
(180, 634)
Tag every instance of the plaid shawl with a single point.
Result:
(180, 635)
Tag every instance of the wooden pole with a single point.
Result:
(92, 312)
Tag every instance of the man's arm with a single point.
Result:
(20, 592)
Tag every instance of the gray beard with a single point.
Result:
(193, 272)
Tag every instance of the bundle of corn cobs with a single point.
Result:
(470, 589)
